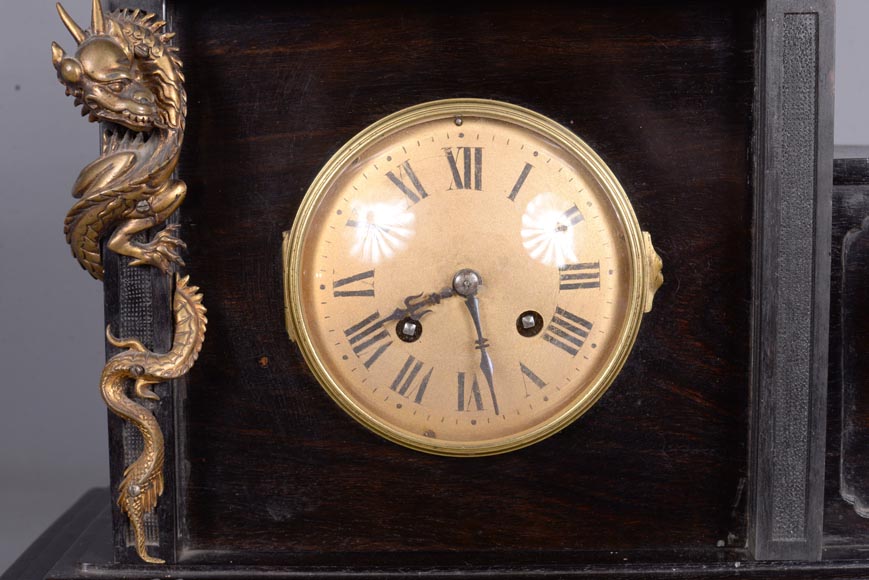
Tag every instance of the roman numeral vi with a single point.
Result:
(469, 392)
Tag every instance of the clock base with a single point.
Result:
(78, 546)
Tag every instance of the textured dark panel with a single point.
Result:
(794, 268)
(136, 319)
(792, 279)
(136, 303)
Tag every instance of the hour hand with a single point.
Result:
(417, 305)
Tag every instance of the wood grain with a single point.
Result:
(274, 471)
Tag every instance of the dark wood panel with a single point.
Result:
(663, 91)
(78, 547)
(846, 533)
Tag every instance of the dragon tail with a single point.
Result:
(143, 479)
(190, 323)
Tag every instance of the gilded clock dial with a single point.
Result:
(462, 280)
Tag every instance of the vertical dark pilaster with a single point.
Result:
(793, 183)
(138, 304)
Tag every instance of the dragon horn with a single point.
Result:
(74, 29)
(98, 25)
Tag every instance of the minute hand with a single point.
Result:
(485, 362)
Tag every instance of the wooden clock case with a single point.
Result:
(707, 455)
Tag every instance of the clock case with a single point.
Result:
(709, 454)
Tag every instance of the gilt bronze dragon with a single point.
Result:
(126, 76)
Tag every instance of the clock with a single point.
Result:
(466, 277)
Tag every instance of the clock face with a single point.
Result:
(465, 277)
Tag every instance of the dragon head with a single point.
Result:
(103, 74)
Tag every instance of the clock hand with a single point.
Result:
(415, 302)
(466, 283)
(473, 305)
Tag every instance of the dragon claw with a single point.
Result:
(162, 251)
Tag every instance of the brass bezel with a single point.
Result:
(642, 265)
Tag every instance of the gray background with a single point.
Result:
(53, 442)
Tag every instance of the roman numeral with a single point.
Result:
(357, 280)
(531, 376)
(368, 338)
(405, 382)
(567, 331)
(470, 394)
(462, 179)
(416, 191)
(572, 216)
(520, 182)
(575, 276)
